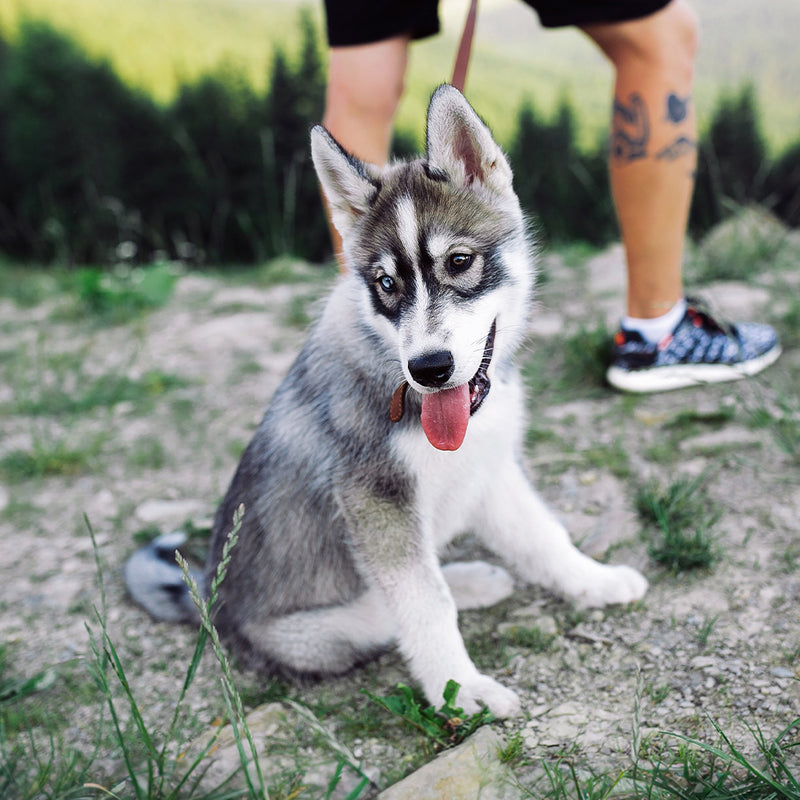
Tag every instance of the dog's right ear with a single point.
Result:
(348, 188)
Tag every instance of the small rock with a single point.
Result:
(782, 672)
(102, 506)
(726, 439)
(166, 513)
(470, 770)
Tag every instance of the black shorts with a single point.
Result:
(352, 22)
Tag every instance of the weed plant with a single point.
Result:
(444, 726)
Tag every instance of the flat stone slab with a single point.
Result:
(471, 771)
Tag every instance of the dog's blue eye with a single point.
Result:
(460, 262)
(387, 284)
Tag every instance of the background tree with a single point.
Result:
(566, 191)
(91, 170)
(732, 161)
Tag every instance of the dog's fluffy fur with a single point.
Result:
(346, 510)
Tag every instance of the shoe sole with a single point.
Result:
(681, 376)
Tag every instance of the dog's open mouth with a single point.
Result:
(445, 414)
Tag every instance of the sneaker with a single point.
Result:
(699, 350)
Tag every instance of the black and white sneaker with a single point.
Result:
(699, 350)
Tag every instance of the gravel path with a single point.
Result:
(719, 645)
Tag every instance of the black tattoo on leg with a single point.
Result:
(677, 108)
(631, 129)
(682, 146)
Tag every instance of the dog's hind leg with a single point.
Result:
(476, 584)
(325, 641)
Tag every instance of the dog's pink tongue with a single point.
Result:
(445, 416)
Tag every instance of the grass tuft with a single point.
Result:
(124, 293)
(699, 771)
(679, 519)
(587, 356)
(47, 460)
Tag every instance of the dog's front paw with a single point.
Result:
(611, 585)
(483, 690)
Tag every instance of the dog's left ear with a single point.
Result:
(460, 144)
(348, 187)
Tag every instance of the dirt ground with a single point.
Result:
(716, 645)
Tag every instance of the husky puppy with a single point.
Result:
(398, 427)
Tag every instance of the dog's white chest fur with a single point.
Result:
(451, 486)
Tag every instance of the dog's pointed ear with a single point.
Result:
(460, 144)
(348, 188)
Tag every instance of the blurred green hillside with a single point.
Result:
(157, 45)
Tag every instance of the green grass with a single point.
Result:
(147, 452)
(444, 726)
(531, 638)
(684, 425)
(70, 391)
(48, 458)
(613, 457)
(679, 518)
(574, 366)
(124, 293)
(587, 356)
(38, 761)
(745, 247)
(781, 417)
(13, 689)
(29, 285)
(696, 770)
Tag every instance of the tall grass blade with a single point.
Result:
(233, 700)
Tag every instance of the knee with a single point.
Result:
(364, 93)
(666, 41)
(683, 36)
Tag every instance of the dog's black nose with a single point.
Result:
(432, 369)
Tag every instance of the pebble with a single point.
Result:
(166, 513)
(782, 672)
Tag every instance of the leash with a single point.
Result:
(397, 407)
(465, 47)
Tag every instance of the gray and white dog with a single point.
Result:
(398, 427)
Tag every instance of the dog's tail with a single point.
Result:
(155, 580)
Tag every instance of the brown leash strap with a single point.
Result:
(464, 48)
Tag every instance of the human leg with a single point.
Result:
(365, 84)
(664, 342)
(653, 153)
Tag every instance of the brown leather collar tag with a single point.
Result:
(398, 399)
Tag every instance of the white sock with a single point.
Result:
(654, 330)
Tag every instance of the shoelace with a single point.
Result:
(698, 309)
